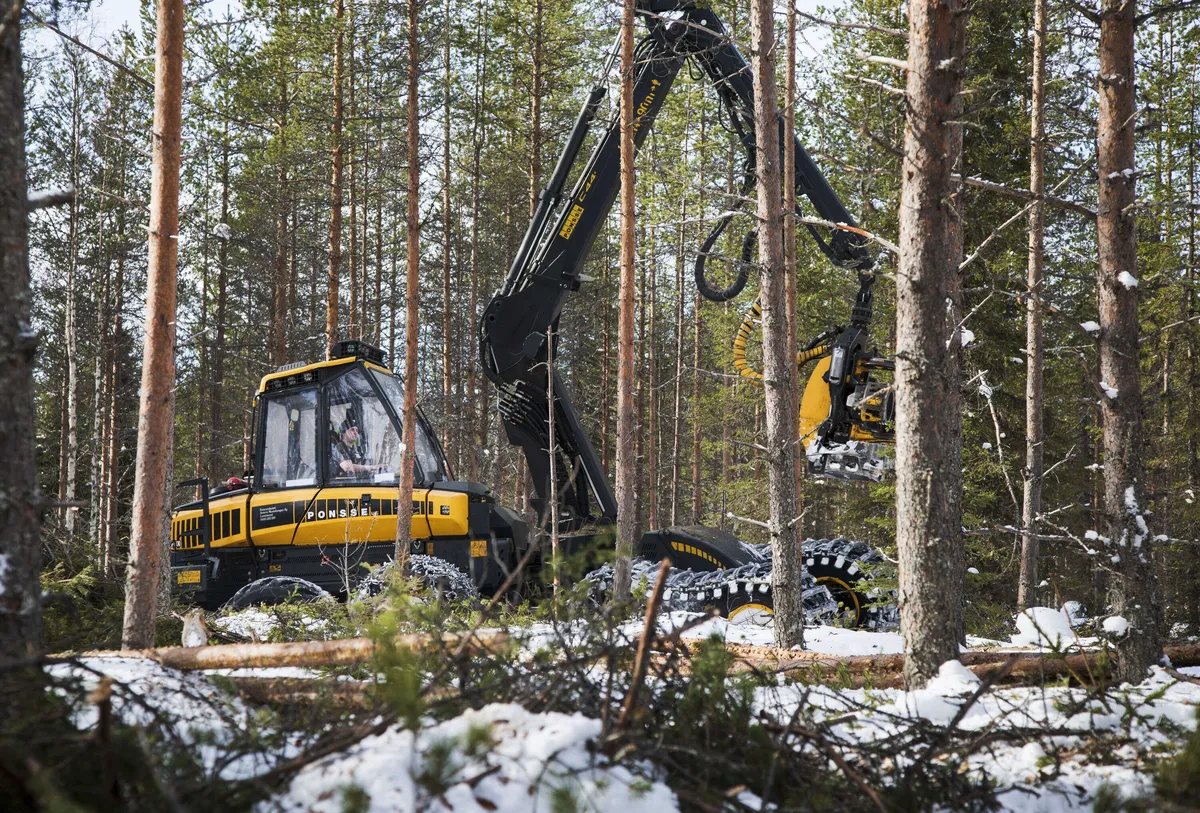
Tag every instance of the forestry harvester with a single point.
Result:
(327, 435)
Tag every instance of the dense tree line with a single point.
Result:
(275, 100)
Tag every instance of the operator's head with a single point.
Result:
(348, 432)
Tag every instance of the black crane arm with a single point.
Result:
(548, 265)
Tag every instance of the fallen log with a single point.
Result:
(342, 694)
(342, 652)
(886, 671)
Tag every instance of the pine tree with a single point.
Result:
(928, 449)
(156, 411)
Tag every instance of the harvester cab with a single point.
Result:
(321, 504)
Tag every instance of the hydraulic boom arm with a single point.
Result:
(548, 265)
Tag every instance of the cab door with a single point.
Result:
(288, 466)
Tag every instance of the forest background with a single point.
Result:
(501, 82)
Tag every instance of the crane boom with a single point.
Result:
(548, 265)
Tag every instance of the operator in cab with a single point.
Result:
(347, 451)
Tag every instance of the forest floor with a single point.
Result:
(1043, 748)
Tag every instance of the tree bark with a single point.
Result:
(20, 520)
(928, 447)
(779, 373)
(411, 292)
(156, 410)
(789, 240)
(476, 434)
(216, 436)
(449, 413)
(1031, 505)
(280, 316)
(335, 188)
(353, 329)
(626, 463)
(71, 452)
(1134, 588)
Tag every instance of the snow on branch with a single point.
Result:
(46, 198)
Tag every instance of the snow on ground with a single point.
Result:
(825, 640)
(529, 762)
(1031, 776)
(504, 758)
(200, 714)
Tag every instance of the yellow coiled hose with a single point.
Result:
(746, 328)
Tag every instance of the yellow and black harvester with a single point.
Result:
(321, 501)
(322, 498)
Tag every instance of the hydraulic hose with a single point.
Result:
(743, 268)
(746, 328)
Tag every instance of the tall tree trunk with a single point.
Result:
(650, 460)
(335, 188)
(72, 450)
(20, 520)
(449, 413)
(411, 291)
(280, 316)
(789, 241)
(217, 435)
(535, 113)
(779, 373)
(928, 447)
(676, 419)
(626, 463)
(156, 410)
(353, 329)
(696, 461)
(1031, 505)
(1135, 591)
(475, 438)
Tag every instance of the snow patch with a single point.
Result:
(953, 678)
(1043, 626)
(3, 571)
(223, 231)
(533, 761)
(1109, 390)
(974, 571)
(1090, 326)
(1116, 626)
(1128, 280)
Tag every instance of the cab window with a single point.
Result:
(289, 440)
(429, 457)
(364, 444)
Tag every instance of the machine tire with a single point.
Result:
(443, 579)
(838, 564)
(274, 590)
